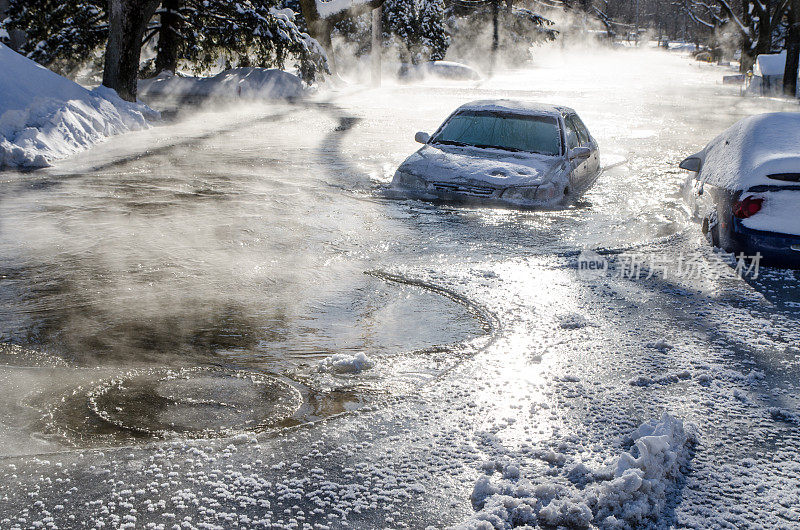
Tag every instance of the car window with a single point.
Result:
(583, 132)
(573, 139)
(513, 132)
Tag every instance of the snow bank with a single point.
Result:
(44, 116)
(632, 492)
(344, 363)
(743, 155)
(251, 82)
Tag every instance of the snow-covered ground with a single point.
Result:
(504, 386)
(44, 117)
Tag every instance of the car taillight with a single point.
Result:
(747, 207)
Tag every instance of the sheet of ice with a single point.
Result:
(630, 493)
(778, 212)
(757, 146)
(44, 116)
(249, 82)
(345, 363)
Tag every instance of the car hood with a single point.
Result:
(489, 166)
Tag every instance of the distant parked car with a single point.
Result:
(744, 188)
(503, 152)
(439, 69)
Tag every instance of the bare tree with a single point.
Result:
(756, 23)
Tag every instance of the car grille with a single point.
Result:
(464, 189)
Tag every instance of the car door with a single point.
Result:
(588, 141)
(580, 166)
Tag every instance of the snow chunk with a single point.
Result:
(660, 345)
(44, 116)
(633, 492)
(344, 363)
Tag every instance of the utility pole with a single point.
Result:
(376, 49)
(637, 21)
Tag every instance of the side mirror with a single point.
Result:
(581, 153)
(693, 163)
(422, 137)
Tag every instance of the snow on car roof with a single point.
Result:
(516, 106)
(743, 155)
(770, 64)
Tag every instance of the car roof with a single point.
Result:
(517, 106)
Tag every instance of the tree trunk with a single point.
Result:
(376, 48)
(127, 22)
(168, 36)
(319, 29)
(495, 34)
(792, 51)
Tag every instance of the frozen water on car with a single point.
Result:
(172, 296)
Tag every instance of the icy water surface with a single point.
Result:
(176, 301)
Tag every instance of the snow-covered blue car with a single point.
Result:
(744, 188)
(503, 152)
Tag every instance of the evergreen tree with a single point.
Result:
(59, 33)
(197, 32)
(519, 29)
(415, 29)
(433, 33)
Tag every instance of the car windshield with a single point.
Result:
(512, 132)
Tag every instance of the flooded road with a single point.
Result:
(184, 310)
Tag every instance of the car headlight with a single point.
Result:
(543, 192)
(407, 180)
(520, 193)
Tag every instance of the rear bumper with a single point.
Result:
(775, 248)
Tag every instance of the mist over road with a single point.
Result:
(177, 299)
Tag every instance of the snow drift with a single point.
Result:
(44, 116)
(631, 493)
(249, 82)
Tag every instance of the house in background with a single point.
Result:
(768, 74)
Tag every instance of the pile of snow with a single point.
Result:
(757, 146)
(250, 82)
(631, 493)
(44, 116)
(342, 363)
